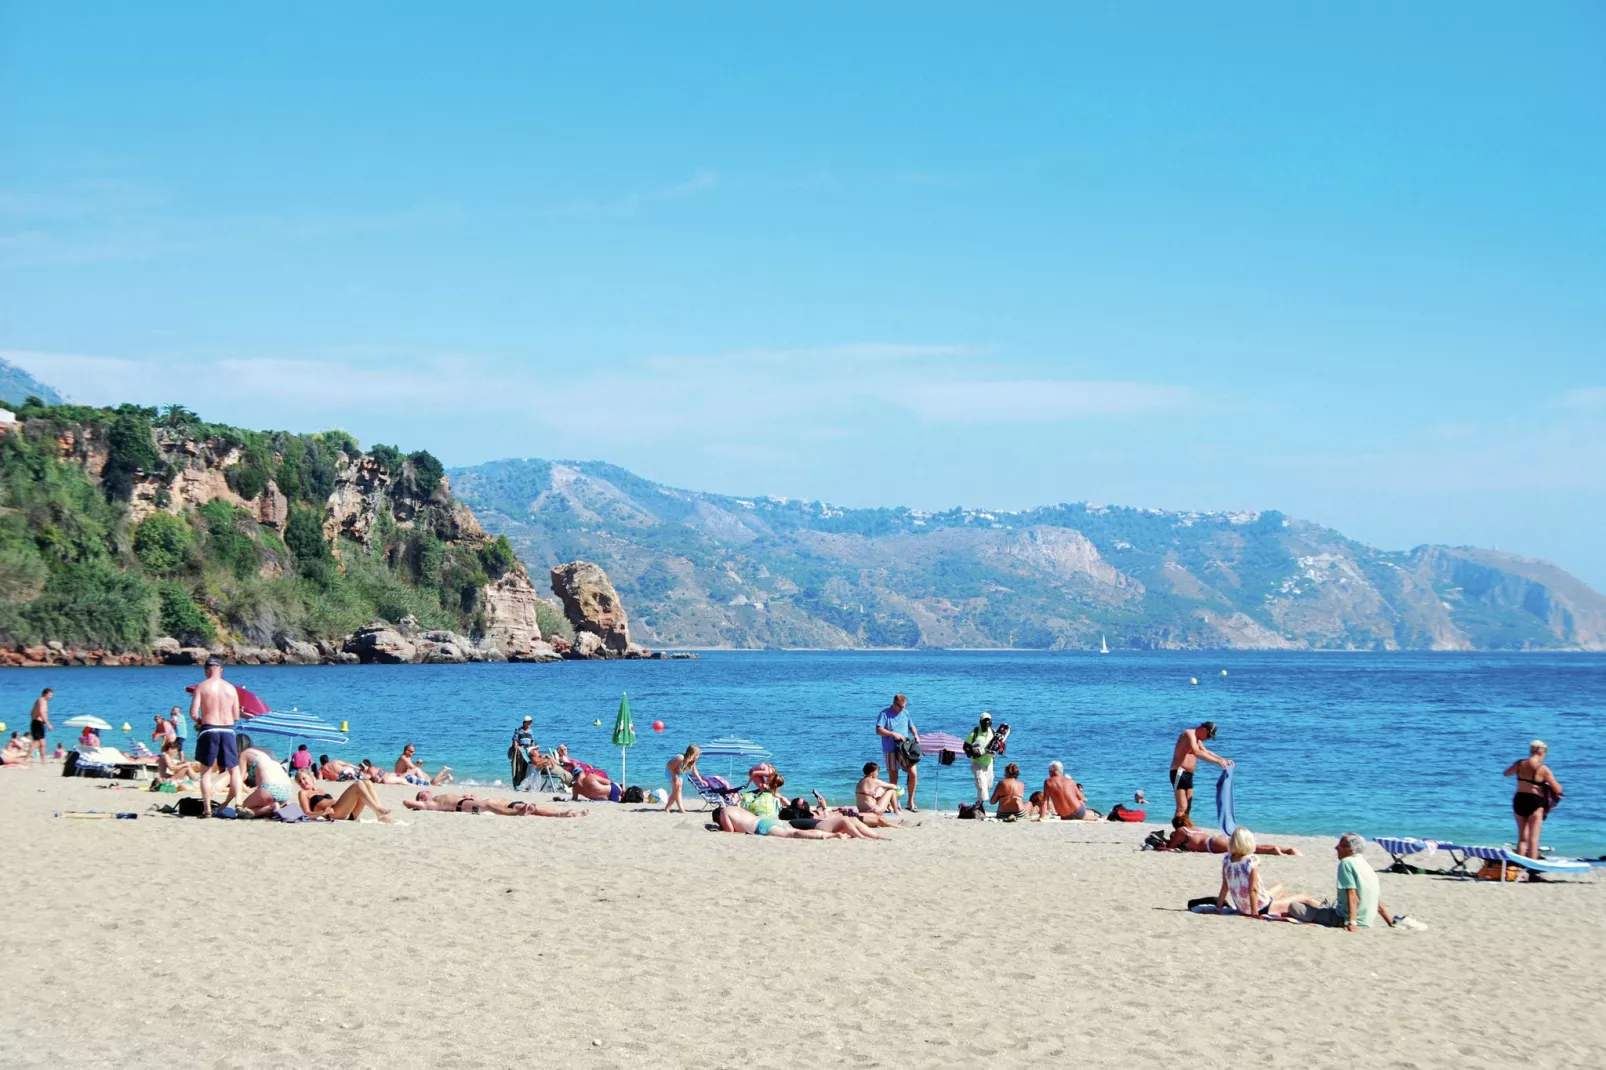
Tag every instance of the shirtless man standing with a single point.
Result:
(1185, 759)
(39, 724)
(215, 708)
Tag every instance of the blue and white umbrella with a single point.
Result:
(733, 747)
(297, 724)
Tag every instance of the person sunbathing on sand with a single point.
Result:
(1186, 837)
(372, 773)
(836, 827)
(467, 803)
(1240, 882)
(802, 808)
(320, 806)
(1064, 795)
(171, 768)
(594, 784)
(873, 795)
(335, 769)
(409, 770)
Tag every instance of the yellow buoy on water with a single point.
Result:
(343, 727)
(597, 723)
(127, 727)
(1224, 672)
(2, 726)
(1194, 680)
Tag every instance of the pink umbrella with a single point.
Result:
(936, 743)
(250, 705)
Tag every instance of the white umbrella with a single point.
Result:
(84, 720)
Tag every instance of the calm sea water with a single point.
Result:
(1407, 744)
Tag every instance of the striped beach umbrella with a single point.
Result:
(295, 724)
(936, 743)
(734, 747)
(624, 735)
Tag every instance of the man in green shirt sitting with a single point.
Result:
(981, 759)
(1357, 903)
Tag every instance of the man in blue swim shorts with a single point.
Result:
(215, 709)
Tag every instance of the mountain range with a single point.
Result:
(16, 385)
(713, 570)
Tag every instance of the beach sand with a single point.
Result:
(637, 939)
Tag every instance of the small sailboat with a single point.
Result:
(1104, 647)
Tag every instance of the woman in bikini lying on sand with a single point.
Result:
(472, 804)
(835, 827)
(800, 808)
(358, 796)
(1186, 837)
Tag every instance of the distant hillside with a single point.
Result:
(17, 386)
(714, 570)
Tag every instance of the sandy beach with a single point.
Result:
(637, 939)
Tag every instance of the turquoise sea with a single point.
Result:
(1403, 744)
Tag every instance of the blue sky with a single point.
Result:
(1347, 263)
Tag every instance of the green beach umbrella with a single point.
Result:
(624, 735)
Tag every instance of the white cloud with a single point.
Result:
(630, 203)
(1585, 399)
(1037, 400)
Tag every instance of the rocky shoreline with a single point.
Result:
(590, 603)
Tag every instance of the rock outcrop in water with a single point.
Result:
(593, 608)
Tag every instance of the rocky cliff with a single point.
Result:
(129, 536)
(714, 570)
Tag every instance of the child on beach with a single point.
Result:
(680, 766)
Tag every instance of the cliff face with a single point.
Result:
(260, 543)
(714, 570)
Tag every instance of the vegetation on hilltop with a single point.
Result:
(75, 566)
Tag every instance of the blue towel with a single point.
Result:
(1224, 802)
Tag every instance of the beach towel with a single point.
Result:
(1224, 801)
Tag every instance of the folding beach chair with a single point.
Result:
(1462, 853)
(715, 790)
(553, 777)
(1402, 847)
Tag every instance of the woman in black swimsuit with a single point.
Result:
(1537, 792)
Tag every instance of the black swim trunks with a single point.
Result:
(36, 729)
(1526, 803)
(215, 746)
(1182, 779)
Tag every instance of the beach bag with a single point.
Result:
(69, 767)
(632, 795)
(910, 751)
(971, 811)
(1491, 871)
(189, 806)
(945, 758)
(1121, 813)
(1156, 841)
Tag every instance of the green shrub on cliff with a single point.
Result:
(180, 617)
(129, 451)
(227, 542)
(95, 604)
(164, 544)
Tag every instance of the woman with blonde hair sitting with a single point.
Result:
(1240, 882)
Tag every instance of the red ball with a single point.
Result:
(657, 726)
